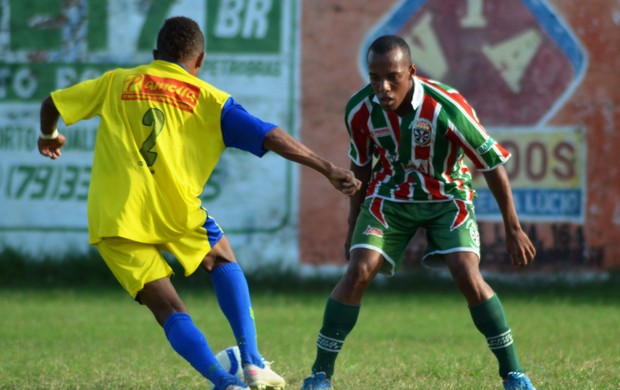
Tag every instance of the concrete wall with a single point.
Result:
(542, 75)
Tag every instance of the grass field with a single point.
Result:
(97, 338)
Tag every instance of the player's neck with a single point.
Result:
(406, 107)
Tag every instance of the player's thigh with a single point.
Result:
(464, 267)
(364, 264)
(384, 227)
(196, 246)
(133, 264)
(451, 227)
(465, 270)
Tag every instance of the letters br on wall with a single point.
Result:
(50, 44)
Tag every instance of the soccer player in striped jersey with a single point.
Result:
(162, 131)
(409, 137)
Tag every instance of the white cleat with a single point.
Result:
(263, 378)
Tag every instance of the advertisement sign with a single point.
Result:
(516, 62)
(46, 45)
(546, 172)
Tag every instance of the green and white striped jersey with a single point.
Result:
(420, 157)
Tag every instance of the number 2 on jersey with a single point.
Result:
(154, 119)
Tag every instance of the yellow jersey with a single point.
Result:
(158, 142)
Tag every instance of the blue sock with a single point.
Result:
(190, 343)
(233, 295)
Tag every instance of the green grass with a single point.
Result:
(98, 338)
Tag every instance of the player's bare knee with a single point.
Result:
(209, 263)
(464, 278)
(359, 275)
(219, 255)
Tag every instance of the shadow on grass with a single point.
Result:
(90, 272)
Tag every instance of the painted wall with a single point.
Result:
(542, 76)
(252, 50)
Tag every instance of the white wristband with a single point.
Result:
(54, 135)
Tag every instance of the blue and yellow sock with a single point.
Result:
(233, 296)
(189, 342)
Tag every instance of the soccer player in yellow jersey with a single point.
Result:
(162, 132)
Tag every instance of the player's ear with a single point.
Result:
(412, 70)
(200, 59)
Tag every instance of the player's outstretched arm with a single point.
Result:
(517, 242)
(280, 142)
(50, 141)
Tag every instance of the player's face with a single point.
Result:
(391, 78)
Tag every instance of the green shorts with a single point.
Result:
(387, 227)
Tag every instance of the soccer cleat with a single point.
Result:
(235, 387)
(517, 381)
(317, 381)
(262, 378)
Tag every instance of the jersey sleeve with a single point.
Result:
(360, 143)
(242, 130)
(465, 130)
(484, 152)
(82, 100)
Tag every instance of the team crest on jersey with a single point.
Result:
(474, 233)
(422, 130)
(371, 231)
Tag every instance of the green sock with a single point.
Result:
(490, 320)
(338, 320)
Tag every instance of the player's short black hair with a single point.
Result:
(386, 43)
(180, 38)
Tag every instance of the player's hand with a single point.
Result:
(344, 181)
(520, 247)
(51, 147)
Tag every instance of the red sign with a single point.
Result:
(515, 61)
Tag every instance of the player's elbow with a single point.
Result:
(48, 107)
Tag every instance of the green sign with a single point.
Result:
(244, 26)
